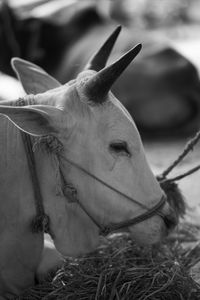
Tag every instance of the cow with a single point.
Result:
(90, 166)
(161, 91)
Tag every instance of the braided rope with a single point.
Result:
(179, 177)
(188, 148)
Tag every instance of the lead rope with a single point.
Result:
(40, 223)
(188, 148)
(169, 185)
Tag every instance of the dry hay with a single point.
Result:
(120, 269)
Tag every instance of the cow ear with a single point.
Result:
(33, 78)
(39, 120)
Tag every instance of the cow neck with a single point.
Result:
(40, 222)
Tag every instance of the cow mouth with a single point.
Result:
(168, 222)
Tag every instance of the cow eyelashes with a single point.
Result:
(120, 148)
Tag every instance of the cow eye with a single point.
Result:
(120, 147)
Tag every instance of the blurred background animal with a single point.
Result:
(161, 90)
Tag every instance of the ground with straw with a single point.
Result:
(120, 269)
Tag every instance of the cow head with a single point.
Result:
(98, 135)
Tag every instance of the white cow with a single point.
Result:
(92, 170)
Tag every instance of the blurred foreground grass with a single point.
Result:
(120, 269)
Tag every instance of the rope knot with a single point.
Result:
(49, 143)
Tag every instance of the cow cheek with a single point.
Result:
(77, 236)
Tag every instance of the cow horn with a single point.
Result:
(98, 61)
(98, 86)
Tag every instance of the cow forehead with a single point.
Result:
(113, 120)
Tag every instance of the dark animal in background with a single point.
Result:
(161, 90)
